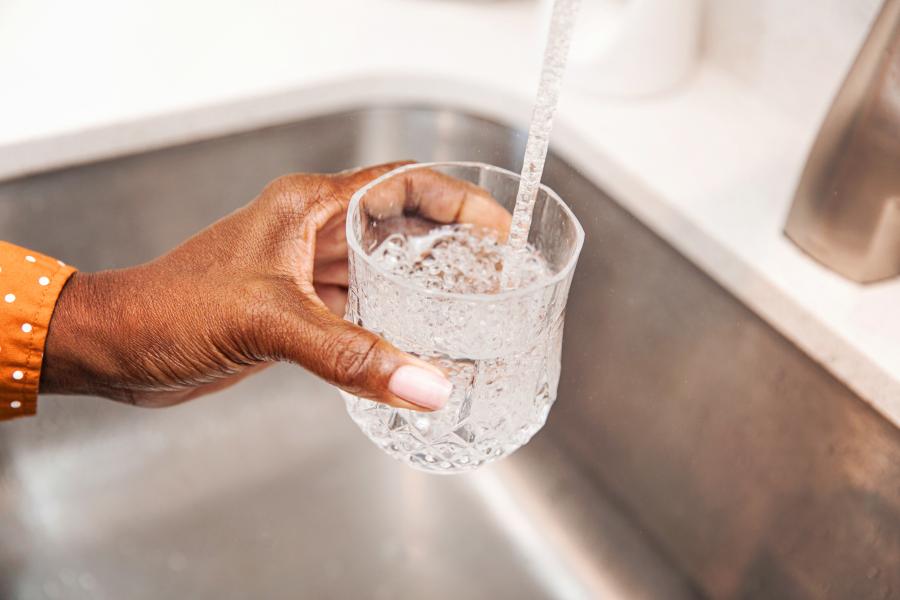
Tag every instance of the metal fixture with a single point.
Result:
(846, 211)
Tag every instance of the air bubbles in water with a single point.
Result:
(459, 259)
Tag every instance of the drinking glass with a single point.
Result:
(500, 347)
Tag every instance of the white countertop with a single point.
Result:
(711, 167)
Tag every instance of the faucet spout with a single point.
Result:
(846, 211)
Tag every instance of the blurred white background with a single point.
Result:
(66, 65)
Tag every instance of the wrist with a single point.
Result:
(79, 354)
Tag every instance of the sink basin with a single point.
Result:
(693, 451)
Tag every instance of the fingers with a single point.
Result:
(331, 241)
(359, 361)
(332, 273)
(304, 327)
(334, 297)
(438, 197)
(356, 178)
(433, 195)
(482, 210)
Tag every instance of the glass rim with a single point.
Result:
(354, 246)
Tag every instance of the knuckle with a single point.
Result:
(355, 358)
(296, 197)
(284, 195)
(279, 189)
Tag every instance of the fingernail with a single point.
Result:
(420, 386)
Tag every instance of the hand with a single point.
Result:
(266, 283)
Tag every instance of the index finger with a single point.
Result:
(439, 197)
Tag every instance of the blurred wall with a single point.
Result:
(794, 52)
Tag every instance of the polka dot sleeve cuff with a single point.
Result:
(30, 283)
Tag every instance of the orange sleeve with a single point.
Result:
(30, 283)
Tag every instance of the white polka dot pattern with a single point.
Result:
(30, 284)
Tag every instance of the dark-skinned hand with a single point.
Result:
(266, 283)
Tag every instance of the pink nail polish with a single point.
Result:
(420, 386)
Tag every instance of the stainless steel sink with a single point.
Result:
(693, 451)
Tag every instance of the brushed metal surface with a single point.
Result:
(846, 211)
(693, 451)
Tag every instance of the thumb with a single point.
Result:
(362, 363)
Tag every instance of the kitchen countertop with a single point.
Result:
(710, 166)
